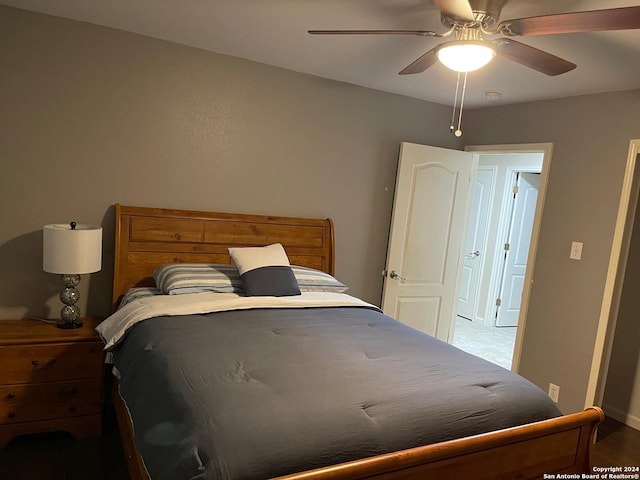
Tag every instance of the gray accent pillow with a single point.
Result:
(273, 281)
(265, 271)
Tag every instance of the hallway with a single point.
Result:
(491, 343)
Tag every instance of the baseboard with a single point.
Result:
(632, 421)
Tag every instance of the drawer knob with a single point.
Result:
(11, 415)
(11, 396)
(74, 390)
(72, 409)
(35, 363)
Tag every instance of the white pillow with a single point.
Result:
(250, 258)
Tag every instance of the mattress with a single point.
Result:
(263, 391)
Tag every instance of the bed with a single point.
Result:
(313, 386)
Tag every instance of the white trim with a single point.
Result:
(613, 284)
(546, 149)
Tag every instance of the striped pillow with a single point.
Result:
(311, 280)
(136, 293)
(177, 278)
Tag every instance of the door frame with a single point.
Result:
(546, 149)
(615, 278)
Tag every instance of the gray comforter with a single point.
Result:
(253, 394)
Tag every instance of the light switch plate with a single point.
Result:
(576, 251)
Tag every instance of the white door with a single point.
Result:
(427, 229)
(518, 252)
(475, 241)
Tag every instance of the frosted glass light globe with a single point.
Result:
(465, 56)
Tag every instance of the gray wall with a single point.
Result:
(591, 137)
(93, 116)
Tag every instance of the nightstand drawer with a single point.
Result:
(71, 409)
(23, 394)
(77, 392)
(27, 403)
(20, 413)
(50, 362)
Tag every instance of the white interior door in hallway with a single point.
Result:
(488, 230)
(476, 241)
(516, 249)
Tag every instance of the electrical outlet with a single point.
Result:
(554, 392)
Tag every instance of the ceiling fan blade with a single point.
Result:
(531, 57)
(626, 18)
(420, 33)
(421, 64)
(455, 8)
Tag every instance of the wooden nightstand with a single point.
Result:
(50, 379)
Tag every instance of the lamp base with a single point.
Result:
(70, 313)
(67, 325)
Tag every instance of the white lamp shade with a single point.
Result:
(465, 56)
(71, 251)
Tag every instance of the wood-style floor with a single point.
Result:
(58, 456)
(617, 445)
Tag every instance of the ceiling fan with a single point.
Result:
(473, 24)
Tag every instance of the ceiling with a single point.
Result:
(275, 32)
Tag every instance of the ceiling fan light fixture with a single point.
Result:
(464, 55)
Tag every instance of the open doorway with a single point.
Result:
(496, 250)
(422, 278)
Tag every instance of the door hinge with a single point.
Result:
(498, 302)
(506, 247)
(384, 273)
(515, 189)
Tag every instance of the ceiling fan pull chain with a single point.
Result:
(455, 102)
(458, 132)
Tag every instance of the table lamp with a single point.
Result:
(70, 250)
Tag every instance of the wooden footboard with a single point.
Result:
(558, 445)
(135, 465)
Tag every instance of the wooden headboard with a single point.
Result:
(149, 237)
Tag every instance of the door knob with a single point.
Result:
(395, 276)
(472, 255)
